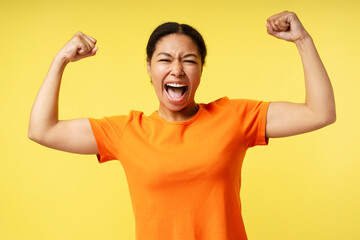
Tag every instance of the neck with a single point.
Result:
(176, 116)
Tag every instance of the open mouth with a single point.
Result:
(176, 90)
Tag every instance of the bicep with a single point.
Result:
(287, 119)
(73, 136)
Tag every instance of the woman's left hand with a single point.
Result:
(286, 25)
(286, 118)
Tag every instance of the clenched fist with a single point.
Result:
(286, 25)
(80, 46)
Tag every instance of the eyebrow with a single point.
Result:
(190, 55)
(187, 55)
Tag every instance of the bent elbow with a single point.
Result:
(329, 119)
(332, 119)
(34, 136)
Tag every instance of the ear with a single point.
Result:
(148, 62)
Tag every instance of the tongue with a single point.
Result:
(175, 92)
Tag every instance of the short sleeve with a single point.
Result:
(108, 132)
(252, 116)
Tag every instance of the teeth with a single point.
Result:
(175, 85)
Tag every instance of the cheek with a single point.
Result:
(195, 74)
(159, 72)
(156, 78)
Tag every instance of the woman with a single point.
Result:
(183, 162)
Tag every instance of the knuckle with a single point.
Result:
(77, 38)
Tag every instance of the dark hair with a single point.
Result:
(171, 28)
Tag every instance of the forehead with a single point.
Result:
(176, 43)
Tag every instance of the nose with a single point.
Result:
(177, 69)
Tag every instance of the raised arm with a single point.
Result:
(44, 127)
(318, 110)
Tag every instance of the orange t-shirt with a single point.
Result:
(184, 177)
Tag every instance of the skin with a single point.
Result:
(175, 60)
(45, 127)
(172, 62)
(285, 118)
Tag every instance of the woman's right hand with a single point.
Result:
(44, 126)
(80, 46)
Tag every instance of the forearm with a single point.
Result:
(44, 113)
(286, 118)
(319, 93)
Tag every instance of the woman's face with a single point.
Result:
(175, 70)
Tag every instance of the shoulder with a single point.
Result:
(221, 102)
(118, 119)
(226, 102)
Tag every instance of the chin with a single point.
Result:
(175, 107)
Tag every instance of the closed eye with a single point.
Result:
(190, 61)
(164, 60)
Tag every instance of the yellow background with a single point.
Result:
(301, 187)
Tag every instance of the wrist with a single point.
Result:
(302, 42)
(58, 64)
(60, 59)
